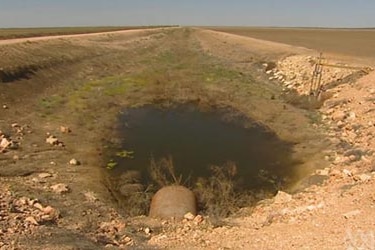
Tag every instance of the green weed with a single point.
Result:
(111, 165)
(125, 154)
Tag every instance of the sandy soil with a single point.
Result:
(335, 212)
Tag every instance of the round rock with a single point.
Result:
(173, 202)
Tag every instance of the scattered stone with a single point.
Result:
(52, 140)
(44, 175)
(38, 206)
(50, 214)
(347, 173)
(338, 116)
(189, 216)
(32, 220)
(362, 177)
(74, 162)
(198, 219)
(147, 230)
(323, 172)
(335, 172)
(352, 116)
(353, 158)
(65, 130)
(282, 197)
(15, 125)
(4, 144)
(90, 196)
(351, 214)
(60, 188)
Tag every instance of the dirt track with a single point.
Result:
(82, 82)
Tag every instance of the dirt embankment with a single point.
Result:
(53, 194)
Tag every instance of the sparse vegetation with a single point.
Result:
(111, 164)
(125, 154)
(163, 173)
(219, 195)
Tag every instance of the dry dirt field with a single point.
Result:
(60, 98)
(339, 42)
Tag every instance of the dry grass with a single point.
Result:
(163, 173)
(219, 195)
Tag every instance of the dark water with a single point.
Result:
(197, 139)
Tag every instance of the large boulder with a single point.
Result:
(173, 202)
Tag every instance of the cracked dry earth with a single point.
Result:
(332, 209)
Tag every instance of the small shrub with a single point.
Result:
(218, 195)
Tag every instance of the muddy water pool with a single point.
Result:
(196, 139)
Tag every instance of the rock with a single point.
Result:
(351, 214)
(38, 206)
(173, 202)
(189, 216)
(198, 219)
(4, 144)
(347, 173)
(15, 125)
(353, 158)
(338, 116)
(340, 124)
(60, 188)
(5, 106)
(282, 197)
(52, 140)
(50, 214)
(323, 172)
(32, 220)
(352, 116)
(74, 162)
(147, 230)
(65, 130)
(335, 172)
(90, 196)
(362, 177)
(44, 175)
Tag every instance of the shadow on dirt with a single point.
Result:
(17, 74)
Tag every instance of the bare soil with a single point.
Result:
(350, 44)
(83, 82)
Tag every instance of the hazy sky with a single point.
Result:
(323, 13)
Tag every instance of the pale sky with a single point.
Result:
(290, 13)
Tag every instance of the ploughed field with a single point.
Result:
(341, 42)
